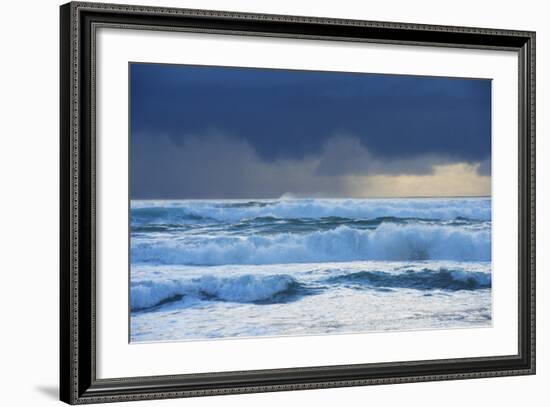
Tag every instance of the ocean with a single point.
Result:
(247, 268)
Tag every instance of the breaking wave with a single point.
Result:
(231, 211)
(388, 241)
(243, 289)
(443, 279)
(283, 288)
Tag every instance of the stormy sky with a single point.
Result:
(202, 132)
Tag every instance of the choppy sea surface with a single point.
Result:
(246, 268)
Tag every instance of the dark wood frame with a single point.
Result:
(78, 382)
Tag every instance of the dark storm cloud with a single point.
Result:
(325, 124)
(215, 166)
(346, 155)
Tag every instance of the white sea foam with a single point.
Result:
(338, 311)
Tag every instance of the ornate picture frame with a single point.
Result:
(79, 382)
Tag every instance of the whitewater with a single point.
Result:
(245, 268)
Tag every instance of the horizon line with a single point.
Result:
(310, 197)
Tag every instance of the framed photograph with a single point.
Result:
(255, 203)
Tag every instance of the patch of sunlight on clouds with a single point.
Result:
(458, 179)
